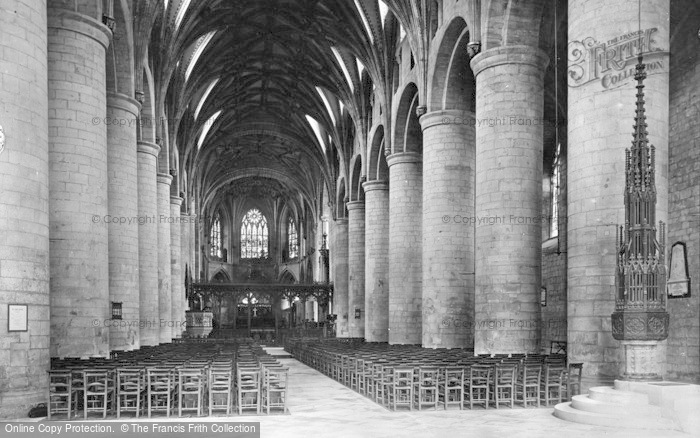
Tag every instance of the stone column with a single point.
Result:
(185, 263)
(24, 206)
(80, 306)
(177, 279)
(165, 298)
(509, 86)
(448, 229)
(356, 268)
(405, 199)
(601, 108)
(123, 226)
(148, 242)
(376, 261)
(340, 276)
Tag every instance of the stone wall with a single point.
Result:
(683, 344)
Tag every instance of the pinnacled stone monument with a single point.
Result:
(640, 319)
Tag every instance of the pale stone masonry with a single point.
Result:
(376, 261)
(24, 207)
(340, 276)
(405, 199)
(448, 229)
(123, 229)
(148, 242)
(510, 89)
(446, 246)
(683, 345)
(165, 298)
(356, 268)
(78, 184)
(601, 118)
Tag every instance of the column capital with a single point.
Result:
(164, 178)
(342, 221)
(79, 23)
(377, 184)
(356, 205)
(403, 157)
(447, 117)
(146, 147)
(126, 103)
(175, 200)
(509, 55)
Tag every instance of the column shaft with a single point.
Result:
(405, 199)
(448, 229)
(601, 110)
(123, 233)
(177, 279)
(376, 261)
(165, 298)
(340, 276)
(78, 185)
(509, 86)
(356, 268)
(148, 242)
(24, 206)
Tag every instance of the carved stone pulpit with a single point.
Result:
(640, 319)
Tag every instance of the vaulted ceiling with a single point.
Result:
(255, 86)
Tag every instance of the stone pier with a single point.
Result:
(405, 198)
(376, 261)
(510, 91)
(448, 229)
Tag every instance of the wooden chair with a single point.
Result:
(160, 390)
(552, 386)
(401, 388)
(528, 384)
(61, 394)
(426, 388)
(504, 384)
(190, 393)
(248, 389)
(573, 380)
(98, 394)
(451, 387)
(131, 396)
(275, 389)
(478, 385)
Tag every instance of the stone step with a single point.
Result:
(585, 403)
(608, 394)
(566, 412)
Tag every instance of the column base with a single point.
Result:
(640, 361)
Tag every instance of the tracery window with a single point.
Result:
(554, 224)
(293, 239)
(254, 235)
(215, 237)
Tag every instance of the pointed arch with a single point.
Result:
(452, 83)
(356, 179)
(377, 168)
(408, 136)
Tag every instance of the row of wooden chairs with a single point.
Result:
(411, 377)
(167, 380)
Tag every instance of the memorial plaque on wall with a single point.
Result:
(678, 283)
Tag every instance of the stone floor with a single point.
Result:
(320, 406)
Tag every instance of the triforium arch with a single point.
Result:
(356, 179)
(407, 132)
(451, 81)
(377, 168)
